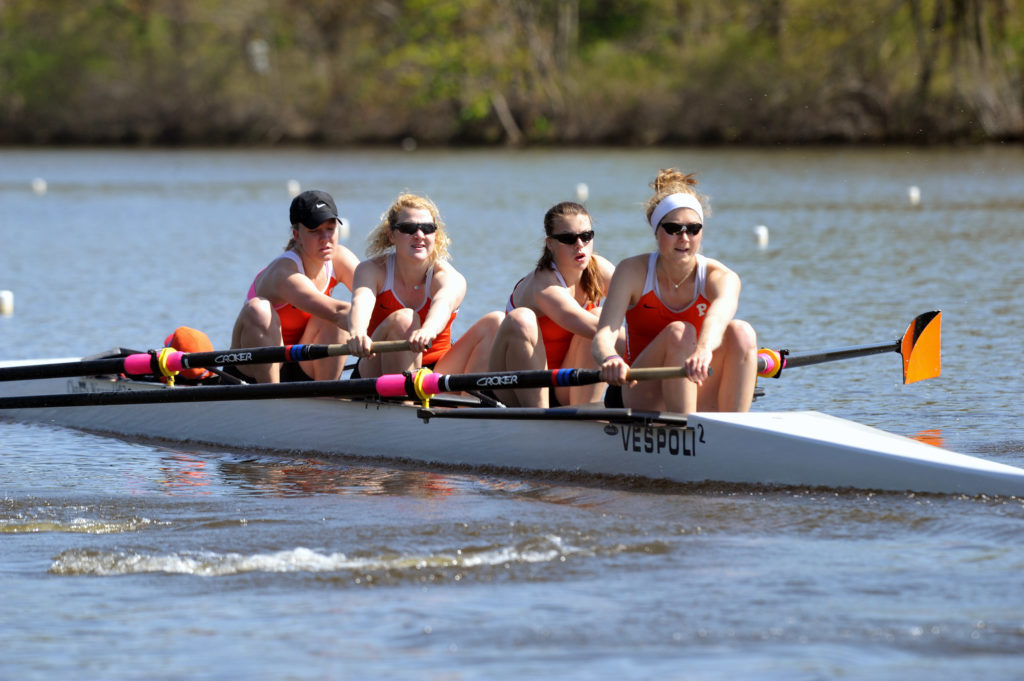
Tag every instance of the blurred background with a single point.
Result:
(467, 72)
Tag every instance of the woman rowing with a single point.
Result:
(407, 290)
(551, 315)
(679, 310)
(290, 300)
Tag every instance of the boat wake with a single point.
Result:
(382, 567)
(35, 517)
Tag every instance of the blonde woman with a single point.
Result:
(679, 308)
(408, 290)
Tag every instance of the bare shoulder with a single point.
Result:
(344, 256)
(722, 281)
(634, 265)
(373, 264)
(446, 274)
(278, 269)
(371, 272)
(718, 269)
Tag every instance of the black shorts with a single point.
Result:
(355, 370)
(613, 397)
(552, 397)
(291, 372)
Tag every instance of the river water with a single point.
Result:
(138, 560)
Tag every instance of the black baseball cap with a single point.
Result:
(311, 208)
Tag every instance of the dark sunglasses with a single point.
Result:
(569, 238)
(410, 228)
(673, 228)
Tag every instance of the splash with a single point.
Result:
(547, 549)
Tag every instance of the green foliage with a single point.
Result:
(548, 71)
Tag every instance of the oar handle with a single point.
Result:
(387, 346)
(656, 373)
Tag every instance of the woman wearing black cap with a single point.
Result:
(290, 299)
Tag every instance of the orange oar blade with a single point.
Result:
(921, 348)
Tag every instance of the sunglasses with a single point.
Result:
(569, 238)
(411, 228)
(673, 228)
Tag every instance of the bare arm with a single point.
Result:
(624, 290)
(281, 282)
(554, 301)
(448, 289)
(366, 281)
(723, 292)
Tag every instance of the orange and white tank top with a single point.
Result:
(650, 315)
(294, 320)
(556, 338)
(388, 302)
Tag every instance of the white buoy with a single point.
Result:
(914, 194)
(582, 192)
(294, 188)
(344, 229)
(39, 186)
(6, 303)
(761, 234)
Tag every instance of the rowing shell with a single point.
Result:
(766, 448)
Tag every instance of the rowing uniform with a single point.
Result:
(388, 302)
(650, 315)
(556, 338)
(294, 320)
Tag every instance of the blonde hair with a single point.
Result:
(292, 242)
(590, 281)
(674, 181)
(379, 238)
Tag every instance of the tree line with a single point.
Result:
(630, 72)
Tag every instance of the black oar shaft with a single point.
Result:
(418, 386)
(260, 391)
(147, 363)
(392, 385)
(808, 358)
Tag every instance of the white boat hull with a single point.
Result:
(767, 448)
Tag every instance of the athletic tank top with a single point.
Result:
(650, 315)
(556, 338)
(388, 302)
(294, 320)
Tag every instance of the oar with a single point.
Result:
(920, 347)
(421, 385)
(143, 363)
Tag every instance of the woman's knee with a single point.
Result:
(257, 312)
(741, 335)
(492, 321)
(320, 330)
(398, 324)
(520, 323)
(680, 335)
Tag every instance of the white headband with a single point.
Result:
(673, 201)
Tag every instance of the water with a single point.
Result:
(127, 559)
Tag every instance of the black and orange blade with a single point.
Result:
(921, 348)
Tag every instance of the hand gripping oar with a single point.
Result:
(418, 386)
(158, 362)
(920, 347)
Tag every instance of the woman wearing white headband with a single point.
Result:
(679, 308)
